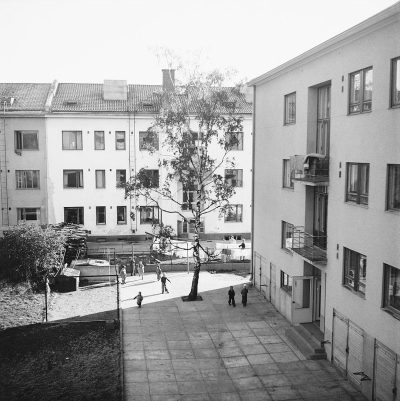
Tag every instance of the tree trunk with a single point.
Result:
(196, 250)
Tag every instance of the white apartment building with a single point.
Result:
(95, 139)
(326, 197)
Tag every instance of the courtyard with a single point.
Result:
(208, 350)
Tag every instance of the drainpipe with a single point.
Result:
(252, 276)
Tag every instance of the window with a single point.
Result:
(189, 199)
(28, 214)
(151, 178)
(286, 282)
(73, 178)
(395, 83)
(234, 213)
(148, 140)
(73, 215)
(188, 226)
(290, 108)
(393, 187)
(234, 140)
(100, 215)
(149, 215)
(99, 142)
(121, 178)
(27, 179)
(72, 140)
(391, 293)
(234, 177)
(100, 178)
(287, 235)
(26, 140)
(121, 214)
(287, 174)
(120, 140)
(361, 91)
(355, 270)
(357, 183)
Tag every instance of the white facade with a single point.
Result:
(342, 284)
(88, 135)
(131, 159)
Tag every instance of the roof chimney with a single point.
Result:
(168, 79)
(115, 90)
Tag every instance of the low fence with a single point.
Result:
(83, 298)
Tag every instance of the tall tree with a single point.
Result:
(198, 123)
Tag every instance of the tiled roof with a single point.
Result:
(27, 96)
(141, 98)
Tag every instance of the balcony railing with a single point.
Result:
(310, 247)
(312, 168)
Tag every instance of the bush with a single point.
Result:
(29, 252)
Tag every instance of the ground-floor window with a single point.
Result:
(73, 215)
(28, 214)
(286, 282)
(121, 214)
(391, 294)
(354, 271)
(188, 226)
(100, 215)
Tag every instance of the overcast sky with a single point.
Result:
(93, 40)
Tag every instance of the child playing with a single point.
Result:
(139, 299)
(231, 294)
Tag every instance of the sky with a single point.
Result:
(92, 40)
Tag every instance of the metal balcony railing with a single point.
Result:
(310, 247)
(311, 168)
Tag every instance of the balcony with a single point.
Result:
(311, 169)
(310, 247)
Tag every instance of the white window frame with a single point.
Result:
(120, 140)
(79, 180)
(73, 143)
(23, 177)
(102, 174)
(20, 143)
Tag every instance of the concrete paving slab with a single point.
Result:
(208, 350)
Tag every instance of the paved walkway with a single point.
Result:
(208, 350)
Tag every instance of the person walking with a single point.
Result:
(158, 271)
(141, 269)
(242, 246)
(231, 295)
(122, 273)
(244, 295)
(131, 266)
(139, 298)
(164, 284)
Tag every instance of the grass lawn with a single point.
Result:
(19, 306)
(56, 361)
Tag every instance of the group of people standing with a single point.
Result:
(135, 268)
(231, 295)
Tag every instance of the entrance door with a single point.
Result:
(320, 216)
(302, 299)
(317, 299)
(323, 120)
(386, 368)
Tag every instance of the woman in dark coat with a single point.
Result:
(244, 295)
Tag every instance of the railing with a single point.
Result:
(310, 247)
(311, 168)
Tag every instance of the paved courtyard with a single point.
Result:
(208, 350)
